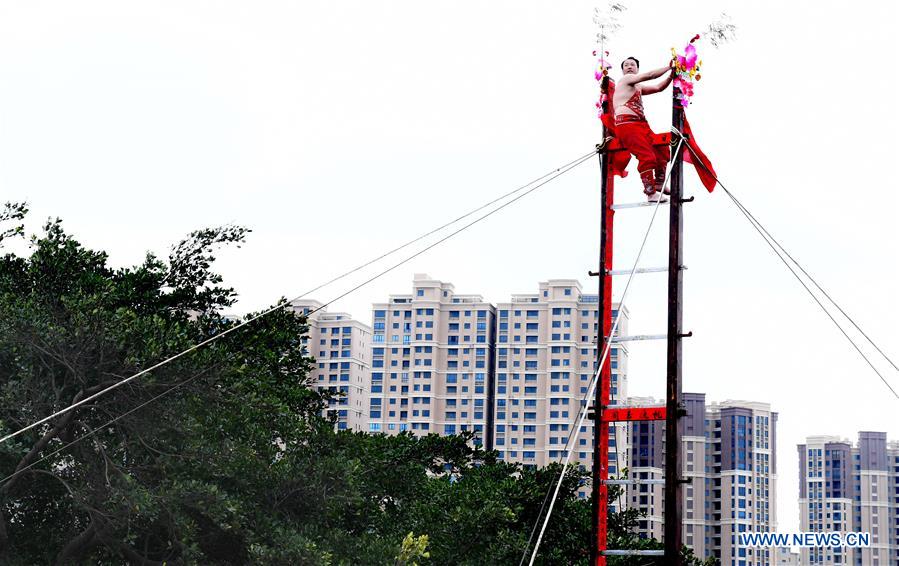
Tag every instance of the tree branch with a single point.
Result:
(77, 547)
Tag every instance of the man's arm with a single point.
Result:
(659, 86)
(647, 76)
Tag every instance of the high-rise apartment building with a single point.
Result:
(432, 362)
(341, 347)
(546, 355)
(729, 456)
(785, 557)
(846, 488)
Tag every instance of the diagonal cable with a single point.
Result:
(98, 429)
(544, 180)
(595, 380)
(771, 243)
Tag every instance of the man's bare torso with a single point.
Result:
(623, 92)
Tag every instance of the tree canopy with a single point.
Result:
(221, 456)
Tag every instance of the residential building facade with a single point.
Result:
(846, 488)
(432, 362)
(729, 456)
(546, 358)
(341, 347)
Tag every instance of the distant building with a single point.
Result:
(432, 362)
(845, 488)
(545, 360)
(341, 347)
(514, 374)
(730, 457)
(785, 557)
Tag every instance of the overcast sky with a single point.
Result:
(336, 130)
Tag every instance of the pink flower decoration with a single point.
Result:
(690, 53)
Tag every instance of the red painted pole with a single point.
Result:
(603, 390)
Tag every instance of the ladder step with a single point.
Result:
(639, 270)
(638, 337)
(642, 270)
(637, 205)
(632, 552)
(635, 481)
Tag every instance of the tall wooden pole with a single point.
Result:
(600, 490)
(674, 393)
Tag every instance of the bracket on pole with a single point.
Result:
(604, 144)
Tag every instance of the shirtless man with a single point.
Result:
(632, 129)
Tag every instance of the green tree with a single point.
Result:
(189, 478)
(222, 456)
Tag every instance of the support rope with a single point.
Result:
(594, 381)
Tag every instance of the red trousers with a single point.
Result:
(651, 159)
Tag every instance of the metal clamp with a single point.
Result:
(601, 147)
(677, 135)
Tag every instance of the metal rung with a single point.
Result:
(637, 205)
(639, 270)
(632, 552)
(642, 270)
(634, 482)
(637, 337)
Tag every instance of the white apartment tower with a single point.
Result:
(546, 356)
(432, 362)
(341, 347)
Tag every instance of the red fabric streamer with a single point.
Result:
(620, 159)
(702, 164)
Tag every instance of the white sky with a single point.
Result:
(336, 130)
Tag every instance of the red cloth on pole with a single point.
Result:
(702, 164)
(618, 159)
